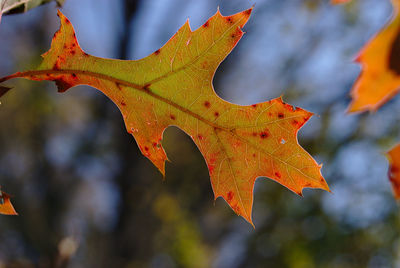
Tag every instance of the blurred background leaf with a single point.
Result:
(20, 6)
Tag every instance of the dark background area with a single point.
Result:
(88, 198)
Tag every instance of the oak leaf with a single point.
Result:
(379, 80)
(173, 86)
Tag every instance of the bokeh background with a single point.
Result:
(88, 198)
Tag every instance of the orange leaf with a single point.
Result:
(379, 80)
(173, 86)
(6, 207)
(394, 169)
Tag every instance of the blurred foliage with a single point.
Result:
(87, 198)
(20, 6)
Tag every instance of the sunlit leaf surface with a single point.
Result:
(173, 86)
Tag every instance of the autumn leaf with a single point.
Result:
(379, 80)
(6, 208)
(394, 169)
(173, 86)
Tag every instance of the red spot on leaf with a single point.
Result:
(254, 105)
(264, 134)
(281, 115)
(229, 20)
(211, 168)
(56, 66)
(230, 196)
(205, 25)
(146, 148)
(236, 35)
(200, 137)
(157, 52)
(73, 75)
(211, 165)
(254, 155)
(207, 104)
(123, 103)
(172, 117)
(254, 134)
(118, 85)
(216, 114)
(85, 54)
(277, 174)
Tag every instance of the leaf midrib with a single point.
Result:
(146, 90)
